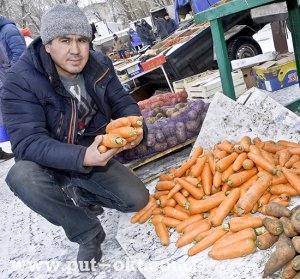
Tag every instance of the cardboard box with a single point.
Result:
(275, 75)
(153, 62)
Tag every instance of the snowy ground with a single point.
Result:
(30, 247)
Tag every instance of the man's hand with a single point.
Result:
(134, 143)
(94, 158)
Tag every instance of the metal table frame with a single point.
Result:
(145, 72)
(214, 15)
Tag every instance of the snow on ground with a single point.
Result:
(31, 247)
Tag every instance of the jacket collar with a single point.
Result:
(94, 69)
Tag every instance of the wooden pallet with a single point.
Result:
(141, 162)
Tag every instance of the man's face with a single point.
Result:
(167, 17)
(70, 54)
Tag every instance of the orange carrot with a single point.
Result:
(226, 173)
(288, 143)
(237, 249)
(158, 194)
(134, 219)
(102, 148)
(189, 236)
(283, 188)
(210, 160)
(296, 165)
(294, 150)
(135, 121)
(194, 191)
(225, 187)
(120, 122)
(202, 235)
(174, 190)
(272, 148)
(295, 171)
(192, 219)
(217, 179)
(185, 166)
(292, 160)
(292, 178)
(225, 146)
(248, 164)
(185, 193)
(165, 177)
(131, 139)
(225, 207)
(174, 213)
(237, 164)
(163, 234)
(246, 185)
(158, 211)
(124, 132)
(238, 148)
(165, 185)
(245, 142)
(240, 223)
(284, 157)
(181, 199)
(207, 241)
(163, 201)
(239, 178)
(224, 163)
(113, 141)
(255, 149)
(193, 180)
(270, 157)
(279, 179)
(168, 221)
(229, 239)
(181, 208)
(212, 214)
(264, 199)
(197, 168)
(248, 200)
(206, 179)
(147, 214)
(263, 163)
(207, 204)
(220, 155)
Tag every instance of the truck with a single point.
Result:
(197, 54)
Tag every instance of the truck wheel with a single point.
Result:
(243, 47)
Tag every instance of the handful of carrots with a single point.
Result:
(121, 131)
(235, 179)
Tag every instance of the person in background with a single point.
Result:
(161, 27)
(57, 101)
(135, 39)
(27, 35)
(144, 30)
(12, 44)
(171, 24)
(119, 46)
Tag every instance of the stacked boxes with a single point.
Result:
(276, 74)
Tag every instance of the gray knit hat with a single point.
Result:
(64, 19)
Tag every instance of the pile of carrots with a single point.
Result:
(121, 131)
(234, 179)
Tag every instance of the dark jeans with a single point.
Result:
(112, 186)
(122, 54)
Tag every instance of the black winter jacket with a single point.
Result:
(41, 116)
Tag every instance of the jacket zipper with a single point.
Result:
(61, 119)
(72, 122)
(100, 78)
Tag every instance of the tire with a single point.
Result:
(243, 47)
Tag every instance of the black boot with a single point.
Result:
(5, 156)
(89, 254)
